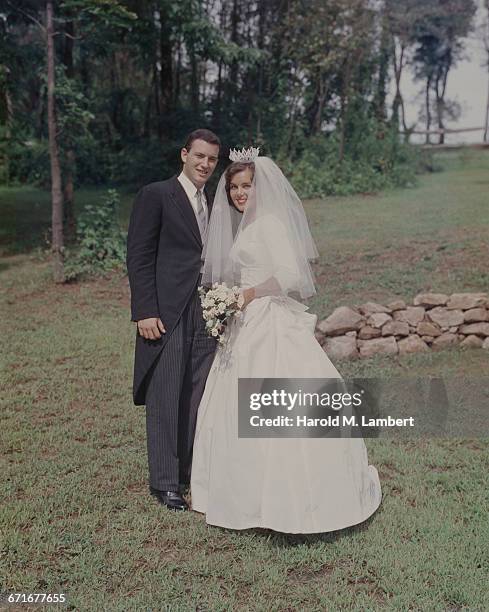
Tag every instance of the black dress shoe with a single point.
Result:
(170, 499)
(184, 488)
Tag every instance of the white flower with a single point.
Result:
(219, 304)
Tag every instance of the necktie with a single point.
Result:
(201, 215)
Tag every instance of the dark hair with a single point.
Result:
(233, 169)
(201, 134)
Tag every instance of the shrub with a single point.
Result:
(139, 163)
(29, 162)
(101, 242)
(375, 161)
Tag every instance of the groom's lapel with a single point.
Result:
(182, 202)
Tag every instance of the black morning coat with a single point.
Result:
(164, 250)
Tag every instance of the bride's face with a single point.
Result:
(240, 188)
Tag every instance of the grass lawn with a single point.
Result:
(76, 517)
(434, 237)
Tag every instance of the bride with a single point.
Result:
(292, 485)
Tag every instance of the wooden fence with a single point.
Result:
(445, 131)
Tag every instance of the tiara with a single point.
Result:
(245, 155)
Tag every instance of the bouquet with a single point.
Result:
(219, 303)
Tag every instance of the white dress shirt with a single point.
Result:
(191, 191)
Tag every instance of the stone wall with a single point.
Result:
(433, 321)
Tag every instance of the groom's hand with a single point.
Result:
(151, 328)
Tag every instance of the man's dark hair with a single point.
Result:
(201, 134)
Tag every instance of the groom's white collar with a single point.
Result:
(190, 188)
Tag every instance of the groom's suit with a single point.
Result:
(164, 249)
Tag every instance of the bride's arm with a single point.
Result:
(270, 287)
(278, 263)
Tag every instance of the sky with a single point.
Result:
(467, 84)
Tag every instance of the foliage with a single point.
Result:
(438, 34)
(102, 244)
(29, 161)
(138, 164)
(135, 77)
(111, 13)
(374, 160)
(73, 110)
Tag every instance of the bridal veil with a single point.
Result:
(274, 206)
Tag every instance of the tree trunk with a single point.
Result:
(217, 111)
(291, 136)
(69, 196)
(178, 69)
(194, 82)
(341, 150)
(166, 72)
(68, 49)
(84, 70)
(486, 130)
(232, 81)
(440, 97)
(345, 88)
(157, 101)
(262, 27)
(428, 110)
(320, 101)
(147, 110)
(398, 102)
(216, 119)
(69, 189)
(250, 81)
(383, 63)
(57, 240)
(7, 112)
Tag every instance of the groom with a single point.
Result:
(173, 351)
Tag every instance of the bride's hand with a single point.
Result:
(248, 296)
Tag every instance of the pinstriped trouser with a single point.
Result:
(173, 396)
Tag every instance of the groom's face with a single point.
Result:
(200, 161)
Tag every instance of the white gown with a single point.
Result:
(294, 485)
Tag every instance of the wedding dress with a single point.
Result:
(294, 485)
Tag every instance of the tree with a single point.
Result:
(57, 237)
(299, 77)
(327, 49)
(69, 187)
(438, 35)
(401, 18)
